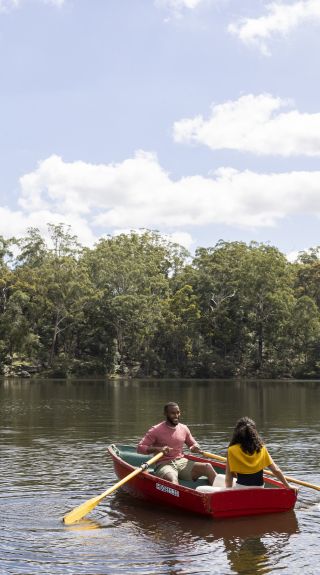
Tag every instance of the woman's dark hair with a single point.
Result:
(245, 433)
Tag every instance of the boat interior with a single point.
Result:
(129, 454)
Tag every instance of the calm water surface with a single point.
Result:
(53, 438)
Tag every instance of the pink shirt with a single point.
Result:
(174, 437)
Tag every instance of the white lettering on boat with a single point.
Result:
(166, 489)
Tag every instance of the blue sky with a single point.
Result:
(198, 118)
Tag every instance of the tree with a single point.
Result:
(304, 337)
(176, 341)
(33, 249)
(131, 274)
(245, 294)
(56, 285)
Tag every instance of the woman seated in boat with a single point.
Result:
(248, 456)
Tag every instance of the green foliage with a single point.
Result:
(138, 305)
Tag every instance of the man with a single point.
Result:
(170, 437)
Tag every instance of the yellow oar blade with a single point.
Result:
(80, 511)
(85, 508)
(290, 479)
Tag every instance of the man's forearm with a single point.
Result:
(154, 449)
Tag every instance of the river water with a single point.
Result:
(53, 437)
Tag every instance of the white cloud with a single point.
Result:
(177, 8)
(254, 124)
(57, 3)
(138, 193)
(16, 222)
(178, 5)
(182, 238)
(293, 256)
(7, 5)
(281, 19)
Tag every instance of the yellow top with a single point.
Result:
(241, 462)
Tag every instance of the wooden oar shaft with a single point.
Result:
(119, 483)
(297, 481)
(87, 506)
(267, 471)
(213, 456)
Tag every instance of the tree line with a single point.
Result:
(139, 305)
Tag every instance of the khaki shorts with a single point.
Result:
(182, 468)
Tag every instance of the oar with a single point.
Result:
(290, 479)
(86, 507)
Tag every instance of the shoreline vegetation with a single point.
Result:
(139, 306)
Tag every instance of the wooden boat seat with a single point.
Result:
(194, 484)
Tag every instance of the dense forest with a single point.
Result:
(138, 305)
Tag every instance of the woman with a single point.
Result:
(247, 457)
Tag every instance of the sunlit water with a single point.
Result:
(53, 437)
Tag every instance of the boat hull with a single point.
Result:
(220, 504)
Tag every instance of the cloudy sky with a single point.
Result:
(197, 118)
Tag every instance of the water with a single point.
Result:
(53, 437)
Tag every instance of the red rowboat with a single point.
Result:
(222, 503)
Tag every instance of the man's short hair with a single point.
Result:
(169, 404)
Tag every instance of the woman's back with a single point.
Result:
(248, 466)
(248, 456)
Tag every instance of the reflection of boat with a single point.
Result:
(221, 503)
(123, 509)
(184, 528)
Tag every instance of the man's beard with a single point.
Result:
(174, 423)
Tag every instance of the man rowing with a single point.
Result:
(170, 436)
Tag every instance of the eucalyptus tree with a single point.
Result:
(305, 338)
(6, 283)
(6, 264)
(308, 274)
(268, 301)
(217, 283)
(50, 273)
(246, 295)
(177, 340)
(131, 274)
(306, 334)
(32, 249)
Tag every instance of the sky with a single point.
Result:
(196, 118)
